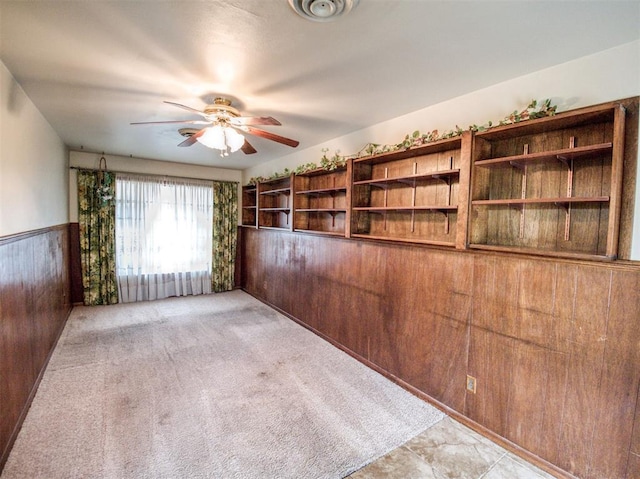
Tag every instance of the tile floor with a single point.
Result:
(450, 450)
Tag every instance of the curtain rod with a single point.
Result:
(152, 174)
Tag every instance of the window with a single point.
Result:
(163, 237)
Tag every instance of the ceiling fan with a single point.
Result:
(223, 120)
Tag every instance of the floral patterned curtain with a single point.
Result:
(96, 216)
(225, 235)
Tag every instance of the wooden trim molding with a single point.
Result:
(29, 234)
(75, 265)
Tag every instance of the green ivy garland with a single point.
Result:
(416, 139)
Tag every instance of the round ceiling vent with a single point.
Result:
(322, 10)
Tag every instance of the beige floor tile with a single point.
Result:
(510, 468)
(524, 463)
(455, 450)
(400, 463)
(450, 450)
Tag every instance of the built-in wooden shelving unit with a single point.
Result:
(322, 201)
(275, 203)
(549, 186)
(250, 206)
(413, 195)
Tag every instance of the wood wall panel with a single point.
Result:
(586, 355)
(491, 360)
(554, 344)
(34, 305)
(633, 471)
(633, 468)
(419, 337)
(536, 396)
(494, 308)
(620, 376)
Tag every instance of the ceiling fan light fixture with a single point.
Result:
(225, 139)
(213, 137)
(322, 10)
(234, 139)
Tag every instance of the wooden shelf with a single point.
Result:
(278, 179)
(383, 209)
(539, 252)
(583, 152)
(322, 172)
(529, 201)
(430, 148)
(280, 228)
(320, 232)
(276, 210)
(403, 239)
(320, 210)
(562, 121)
(276, 192)
(410, 179)
(323, 191)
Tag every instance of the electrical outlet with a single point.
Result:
(471, 384)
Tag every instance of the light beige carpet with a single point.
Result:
(216, 386)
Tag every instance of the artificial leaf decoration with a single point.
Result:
(532, 111)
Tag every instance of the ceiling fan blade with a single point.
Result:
(193, 138)
(255, 120)
(271, 136)
(191, 122)
(247, 149)
(188, 108)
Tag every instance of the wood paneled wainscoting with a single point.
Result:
(554, 344)
(34, 305)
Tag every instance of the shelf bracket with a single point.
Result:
(564, 159)
(446, 219)
(523, 192)
(446, 222)
(570, 169)
(384, 216)
(515, 164)
(333, 218)
(446, 213)
(413, 198)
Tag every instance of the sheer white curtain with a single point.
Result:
(163, 237)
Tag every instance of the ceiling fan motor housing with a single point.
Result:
(221, 105)
(188, 132)
(322, 10)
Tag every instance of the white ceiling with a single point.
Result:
(92, 67)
